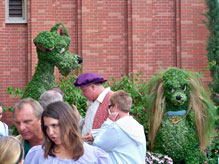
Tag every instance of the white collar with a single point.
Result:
(103, 94)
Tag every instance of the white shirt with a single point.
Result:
(124, 141)
(91, 112)
(3, 129)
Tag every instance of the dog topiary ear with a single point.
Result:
(43, 48)
(60, 29)
(44, 41)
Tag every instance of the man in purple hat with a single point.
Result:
(98, 98)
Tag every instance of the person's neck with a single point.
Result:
(39, 140)
(99, 90)
(123, 114)
(62, 152)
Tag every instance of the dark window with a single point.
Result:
(15, 8)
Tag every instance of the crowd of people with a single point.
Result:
(53, 132)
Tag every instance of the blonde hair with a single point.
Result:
(11, 151)
(199, 103)
(122, 99)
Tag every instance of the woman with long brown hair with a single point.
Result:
(63, 142)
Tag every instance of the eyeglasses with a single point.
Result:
(109, 106)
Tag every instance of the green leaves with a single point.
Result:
(212, 23)
(73, 95)
(14, 91)
(135, 86)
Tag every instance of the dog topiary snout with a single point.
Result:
(80, 60)
(178, 97)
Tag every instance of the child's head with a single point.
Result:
(1, 110)
(11, 150)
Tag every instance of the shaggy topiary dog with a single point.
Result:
(52, 49)
(181, 116)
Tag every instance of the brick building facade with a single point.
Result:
(114, 37)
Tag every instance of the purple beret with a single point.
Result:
(87, 79)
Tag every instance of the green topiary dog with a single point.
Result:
(181, 116)
(52, 49)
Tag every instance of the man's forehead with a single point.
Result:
(25, 117)
(26, 106)
(85, 87)
(25, 110)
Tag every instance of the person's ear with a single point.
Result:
(40, 119)
(116, 107)
(93, 86)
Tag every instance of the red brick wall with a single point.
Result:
(114, 37)
(104, 37)
(13, 62)
(194, 38)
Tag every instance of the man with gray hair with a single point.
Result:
(27, 117)
(49, 97)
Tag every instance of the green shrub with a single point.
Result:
(73, 95)
(212, 151)
(131, 84)
(212, 23)
(134, 85)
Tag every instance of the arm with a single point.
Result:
(81, 123)
(80, 119)
(108, 136)
(89, 137)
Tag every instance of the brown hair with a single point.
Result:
(122, 99)
(68, 128)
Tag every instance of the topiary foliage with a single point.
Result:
(72, 95)
(181, 116)
(134, 85)
(52, 49)
(212, 15)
